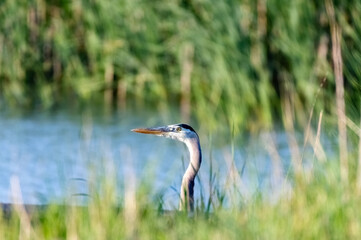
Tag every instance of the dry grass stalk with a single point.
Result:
(308, 128)
(234, 179)
(109, 78)
(25, 223)
(336, 36)
(359, 160)
(309, 137)
(357, 130)
(71, 225)
(292, 141)
(130, 206)
(315, 142)
(261, 18)
(350, 124)
(317, 147)
(270, 146)
(278, 179)
(122, 94)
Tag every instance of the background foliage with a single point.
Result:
(242, 58)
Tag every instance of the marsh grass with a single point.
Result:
(319, 208)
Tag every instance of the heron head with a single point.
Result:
(180, 132)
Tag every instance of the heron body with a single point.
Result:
(184, 133)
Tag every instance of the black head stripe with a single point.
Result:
(185, 126)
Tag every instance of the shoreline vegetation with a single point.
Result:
(240, 64)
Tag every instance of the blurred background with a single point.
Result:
(229, 63)
(75, 71)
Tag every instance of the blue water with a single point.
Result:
(60, 156)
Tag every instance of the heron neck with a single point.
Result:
(187, 187)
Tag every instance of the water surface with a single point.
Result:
(58, 156)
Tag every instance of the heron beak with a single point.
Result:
(154, 131)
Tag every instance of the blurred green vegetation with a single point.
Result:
(243, 57)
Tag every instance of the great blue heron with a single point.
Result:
(184, 133)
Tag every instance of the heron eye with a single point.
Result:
(179, 129)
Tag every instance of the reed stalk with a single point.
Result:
(336, 36)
